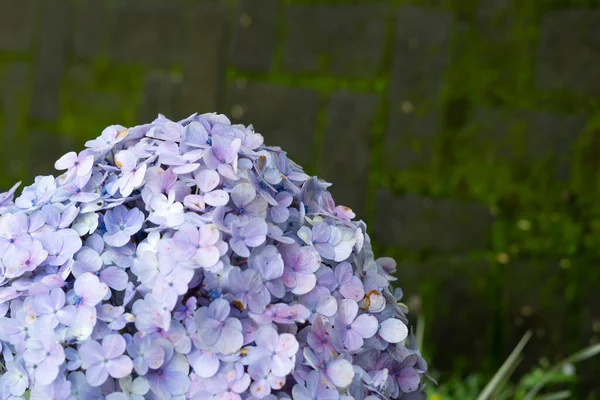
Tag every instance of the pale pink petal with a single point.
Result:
(276, 382)
(209, 235)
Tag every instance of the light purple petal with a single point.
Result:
(207, 180)
(154, 356)
(220, 309)
(340, 372)
(205, 365)
(115, 278)
(347, 311)
(409, 380)
(287, 347)
(304, 283)
(353, 290)
(113, 346)
(216, 198)
(242, 194)
(321, 232)
(352, 340)
(46, 373)
(366, 325)
(267, 337)
(96, 374)
(327, 306)
(280, 214)
(326, 250)
(119, 367)
(393, 330)
(66, 161)
(176, 383)
(231, 341)
(91, 352)
(239, 247)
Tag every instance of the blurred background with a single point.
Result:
(465, 132)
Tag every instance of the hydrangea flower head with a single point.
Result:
(189, 260)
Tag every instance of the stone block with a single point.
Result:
(346, 40)
(287, 117)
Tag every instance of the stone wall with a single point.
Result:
(465, 133)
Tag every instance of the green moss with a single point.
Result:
(321, 83)
(97, 93)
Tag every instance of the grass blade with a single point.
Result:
(504, 372)
(565, 394)
(420, 330)
(579, 356)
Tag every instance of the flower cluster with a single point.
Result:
(188, 260)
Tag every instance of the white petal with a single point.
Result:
(340, 372)
(393, 330)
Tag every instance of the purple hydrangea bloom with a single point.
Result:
(207, 181)
(319, 237)
(132, 174)
(146, 353)
(76, 165)
(314, 389)
(43, 354)
(279, 351)
(217, 330)
(15, 379)
(121, 224)
(249, 234)
(102, 360)
(354, 329)
(51, 308)
(170, 379)
(300, 265)
(188, 260)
